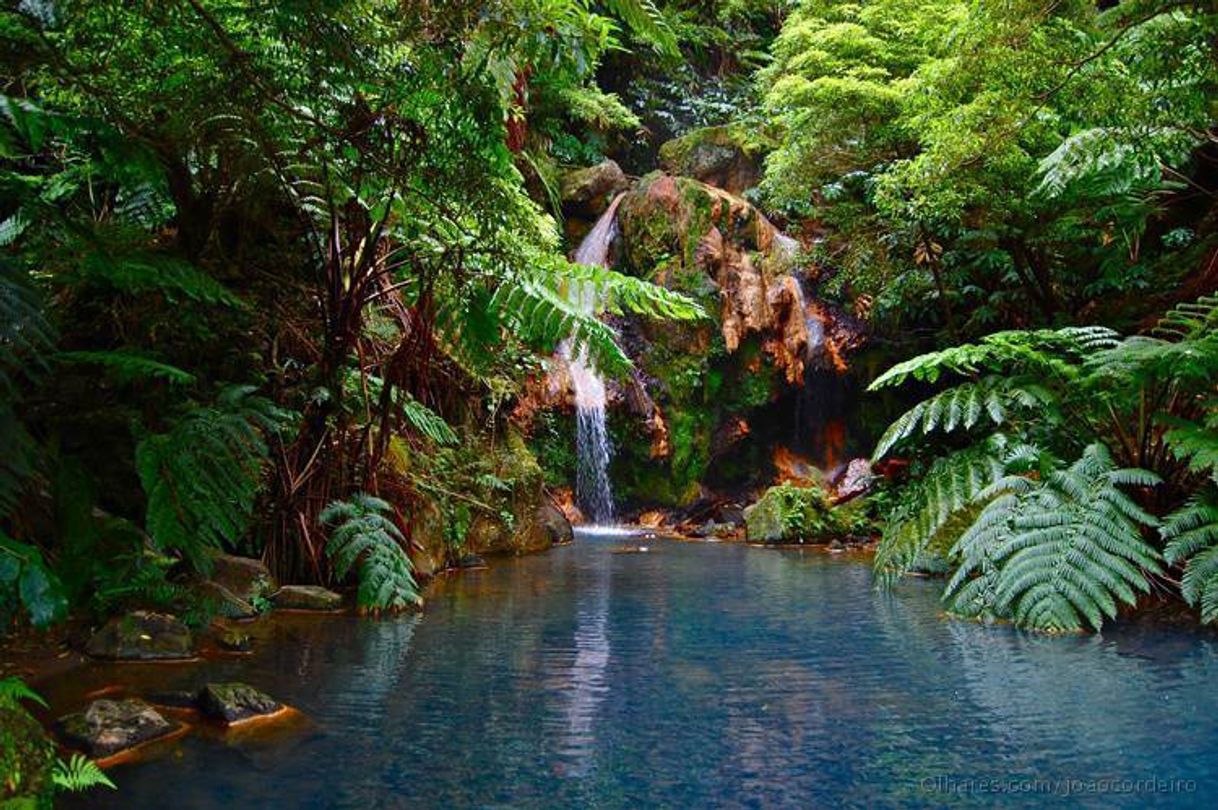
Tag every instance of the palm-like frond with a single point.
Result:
(202, 477)
(128, 366)
(364, 535)
(1057, 554)
(647, 22)
(79, 773)
(989, 401)
(1191, 533)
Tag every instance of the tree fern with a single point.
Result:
(13, 690)
(934, 508)
(1191, 533)
(647, 22)
(989, 401)
(202, 477)
(127, 366)
(363, 535)
(78, 774)
(1041, 351)
(1057, 554)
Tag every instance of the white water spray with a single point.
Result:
(593, 451)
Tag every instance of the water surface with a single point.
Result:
(696, 675)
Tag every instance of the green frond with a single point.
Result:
(13, 690)
(128, 366)
(363, 535)
(1056, 554)
(78, 774)
(989, 401)
(647, 22)
(24, 572)
(203, 476)
(1191, 533)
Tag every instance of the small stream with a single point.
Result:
(692, 675)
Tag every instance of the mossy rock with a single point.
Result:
(108, 727)
(27, 758)
(228, 703)
(142, 636)
(306, 597)
(728, 157)
(791, 514)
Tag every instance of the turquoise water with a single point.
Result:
(698, 675)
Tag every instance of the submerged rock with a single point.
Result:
(306, 597)
(232, 640)
(142, 636)
(27, 758)
(108, 727)
(233, 702)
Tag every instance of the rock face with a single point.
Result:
(26, 761)
(586, 193)
(725, 157)
(233, 702)
(141, 636)
(107, 727)
(554, 524)
(306, 597)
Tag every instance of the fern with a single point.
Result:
(1056, 554)
(364, 535)
(1191, 533)
(539, 309)
(13, 690)
(648, 23)
(202, 477)
(988, 401)
(79, 774)
(1044, 352)
(24, 572)
(934, 508)
(127, 366)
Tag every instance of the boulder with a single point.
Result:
(232, 640)
(224, 602)
(853, 481)
(27, 759)
(726, 157)
(233, 702)
(554, 524)
(108, 727)
(142, 636)
(586, 193)
(790, 514)
(306, 597)
(244, 577)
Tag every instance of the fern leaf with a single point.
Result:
(364, 536)
(1191, 533)
(79, 774)
(128, 366)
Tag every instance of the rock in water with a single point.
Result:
(141, 636)
(233, 702)
(789, 514)
(244, 577)
(225, 602)
(555, 524)
(306, 597)
(107, 727)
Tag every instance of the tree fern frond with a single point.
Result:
(1057, 554)
(363, 535)
(648, 23)
(13, 690)
(202, 477)
(128, 366)
(963, 407)
(1191, 533)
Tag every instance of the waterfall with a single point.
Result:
(593, 451)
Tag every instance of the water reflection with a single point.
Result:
(693, 676)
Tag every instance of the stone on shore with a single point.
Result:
(306, 597)
(142, 636)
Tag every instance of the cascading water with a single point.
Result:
(593, 450)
